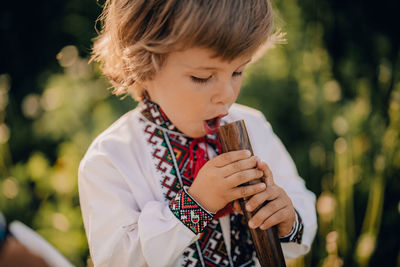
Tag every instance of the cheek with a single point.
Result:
(197, 96)
(237, 85)
(238, 82)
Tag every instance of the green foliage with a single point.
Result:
(73, 109)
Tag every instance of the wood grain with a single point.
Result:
(234, 136)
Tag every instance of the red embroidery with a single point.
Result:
(211, 241)
(189, 212)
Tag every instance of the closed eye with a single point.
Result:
(204, 80)
(200, 80)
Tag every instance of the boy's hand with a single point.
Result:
(279, 210)
(217, 182)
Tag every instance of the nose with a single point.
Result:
(224, 94)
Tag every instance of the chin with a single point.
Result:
(196, 135)
(193, 133)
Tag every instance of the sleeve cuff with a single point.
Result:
(297, 231)
(189, 212)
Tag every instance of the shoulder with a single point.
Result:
(116, 142)
(258, 128)
(253, 117)
(242, 110)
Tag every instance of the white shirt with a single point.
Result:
(126, 216)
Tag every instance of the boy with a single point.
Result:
(155, 188)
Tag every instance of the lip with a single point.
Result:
(218, 116)
(213, 129)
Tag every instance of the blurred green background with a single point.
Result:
(332, 94)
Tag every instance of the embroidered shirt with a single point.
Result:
(128, 192)
(210, 249)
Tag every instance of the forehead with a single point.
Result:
(203, 58)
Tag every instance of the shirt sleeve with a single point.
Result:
(124, 225)
(296, 234)
(271, 150)
(189, 212)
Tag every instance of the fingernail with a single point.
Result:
(251, 224)
(248, 153)
(261, 185)
(257, 158)
(262, 227)
(248, 207)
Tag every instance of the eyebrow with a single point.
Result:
(213, 68)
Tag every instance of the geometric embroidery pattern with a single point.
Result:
(242, 246)
(213, 247)
(186, 209)
(151, 111)
(211, 241)
(161, 154)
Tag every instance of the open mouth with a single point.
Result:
(211, 126)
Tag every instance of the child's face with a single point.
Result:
(192, 88)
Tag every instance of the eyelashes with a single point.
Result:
(204, 80)
(200, 80)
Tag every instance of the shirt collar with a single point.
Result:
(153, 112)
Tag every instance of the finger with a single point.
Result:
(270, 193)
(240, 165)
(242, 177)
(277, 218)
(229, 157)
(269, 179)
(246, 190)
(265, 212)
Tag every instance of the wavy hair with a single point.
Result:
(136, 36)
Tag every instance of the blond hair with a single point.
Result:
(137, 35)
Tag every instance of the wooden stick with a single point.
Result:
(233, 136)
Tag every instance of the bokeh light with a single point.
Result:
(10, 188)
(326, 206)
(4, 133)
(68, 56)
(31, 106)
